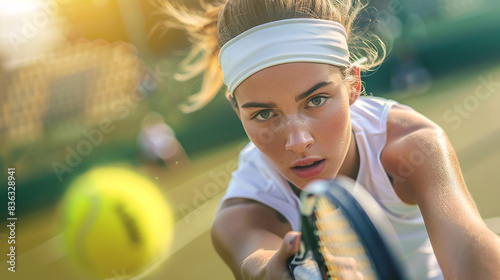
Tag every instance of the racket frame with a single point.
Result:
(383, 254)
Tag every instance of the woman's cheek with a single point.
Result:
(266, 132)
(333, 120)
(261, 136)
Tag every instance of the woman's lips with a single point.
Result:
(314, 169)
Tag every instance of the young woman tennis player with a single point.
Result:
(292, 70)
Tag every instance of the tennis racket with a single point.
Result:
(342, 223)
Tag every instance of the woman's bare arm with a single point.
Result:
(464, 246)
(247, 235)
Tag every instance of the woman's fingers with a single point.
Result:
(289, 247)
(277, 267)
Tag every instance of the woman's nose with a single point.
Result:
(299, 140)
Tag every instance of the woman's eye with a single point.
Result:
(263, 115)
(316, 101)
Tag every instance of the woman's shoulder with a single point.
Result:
(399, 121)
(404, 123)
(412, 142)
(411, 137)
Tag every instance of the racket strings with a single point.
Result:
(338, 241)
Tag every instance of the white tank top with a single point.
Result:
(256, 178)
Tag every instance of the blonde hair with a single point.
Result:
(209, 29)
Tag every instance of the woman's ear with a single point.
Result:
(355, 84)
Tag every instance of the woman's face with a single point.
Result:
(297, 114)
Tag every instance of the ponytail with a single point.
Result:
(201, 28)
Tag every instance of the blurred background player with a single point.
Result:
(158, 145)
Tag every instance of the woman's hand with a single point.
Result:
(271, 264)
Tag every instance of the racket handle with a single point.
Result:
(290, 266)
(302, 266)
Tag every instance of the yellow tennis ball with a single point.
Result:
(115, 221)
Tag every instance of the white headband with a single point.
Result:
(283, 41)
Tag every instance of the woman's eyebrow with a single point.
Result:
(299, 97)
(311, 90)
(269, 105)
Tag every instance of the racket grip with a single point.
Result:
(291, 266)
(302, 266)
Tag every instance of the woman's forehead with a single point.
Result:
(289, 77)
